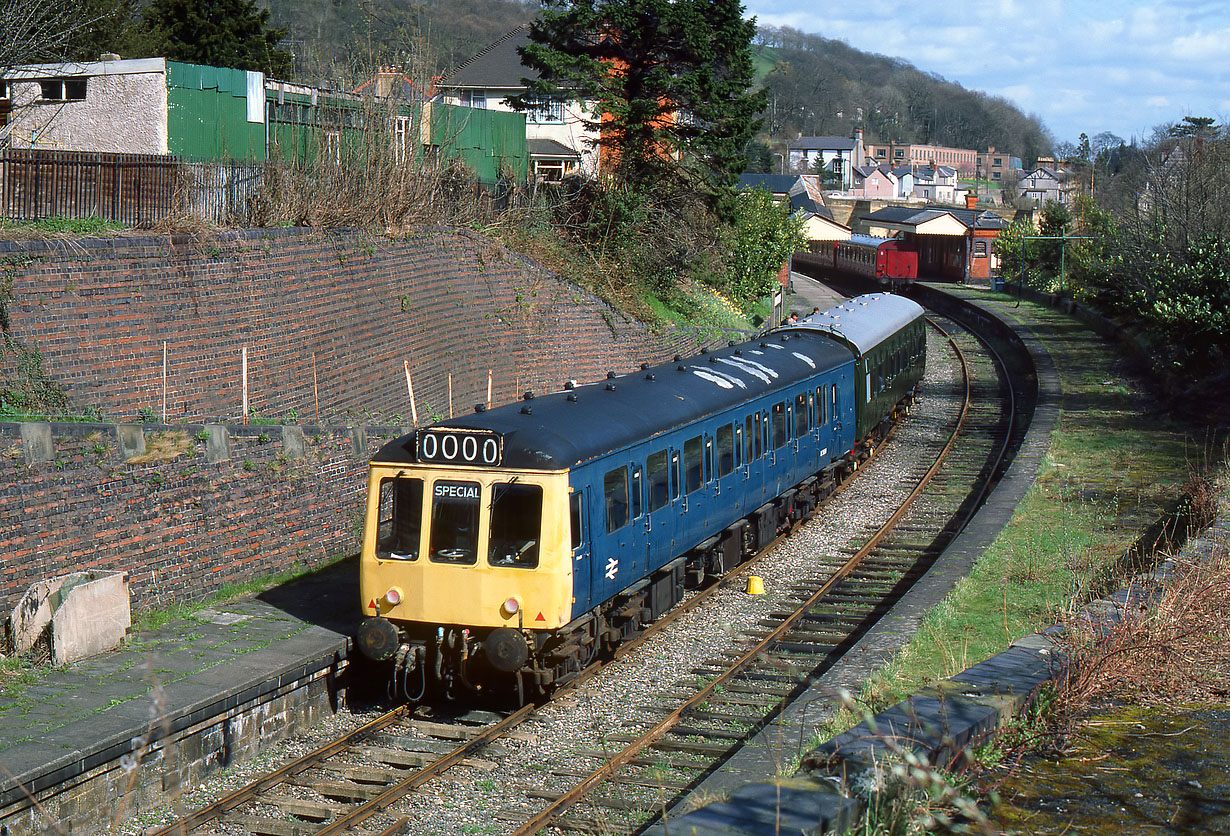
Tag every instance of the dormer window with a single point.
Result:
(62, 89)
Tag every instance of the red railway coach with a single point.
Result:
(864, 255)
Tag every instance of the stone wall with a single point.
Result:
(184, 508)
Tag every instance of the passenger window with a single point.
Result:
(454, 522)
(749, 450)
(738, 446)
(820, 405)
(759, 435)
(615, 491)
(800, 415)
(636, 493)
(401, 519)
(708, 460)
(516, 523)
(692, 476)
(659, 490)
(725, 450)
(779, 424)
(674, 475)
(576, 505)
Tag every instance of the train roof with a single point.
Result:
(568, 428)
(864, 321)
(860, 238)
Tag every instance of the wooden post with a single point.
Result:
(414, 413)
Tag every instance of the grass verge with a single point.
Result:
(1114, 467)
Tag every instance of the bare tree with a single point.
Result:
(34, 31)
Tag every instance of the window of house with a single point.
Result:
(474, 98)
(994, 175)
(997, 161)
(544, 110)
(980, 249)
(401, 127)
(63, 89)
(550, 171)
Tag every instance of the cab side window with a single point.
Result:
(516, 518)
(401, 519)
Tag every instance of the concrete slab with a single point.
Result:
(93, 617)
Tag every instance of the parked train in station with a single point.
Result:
(866, 255)
(504, 550)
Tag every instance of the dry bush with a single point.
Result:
(1174, 650)
(381, 182)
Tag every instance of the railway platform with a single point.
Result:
(184, 698)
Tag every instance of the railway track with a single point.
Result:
(746, 687)
(351, 784)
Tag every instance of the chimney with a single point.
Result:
(971, 201)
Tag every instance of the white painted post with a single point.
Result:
(244, 372)
(414, 413)
(164, 381)
(450, 394)
(489, 388)
(315, 389)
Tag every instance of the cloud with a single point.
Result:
(1112, 65)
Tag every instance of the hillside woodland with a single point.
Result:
(817, 86)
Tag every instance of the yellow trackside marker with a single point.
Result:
(755, 585)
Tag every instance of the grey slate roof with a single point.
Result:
(772, 183)
(496, 66)
(971, 218)
(550, 148)
(805, 202)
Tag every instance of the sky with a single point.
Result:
(1123, 66)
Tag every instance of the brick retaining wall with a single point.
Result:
(445, 301)
(181, 523)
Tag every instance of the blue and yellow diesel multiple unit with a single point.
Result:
(507, 548)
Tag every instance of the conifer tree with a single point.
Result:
(218, 33)
(670, 82)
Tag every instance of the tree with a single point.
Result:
(218, 33)
(766, 233)
(109, 26)
(1204, 126)
(669, 81)
(34, 31)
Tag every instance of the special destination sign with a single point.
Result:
(459, 445)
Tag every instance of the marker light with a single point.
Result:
(511, 606)
(393, 596)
